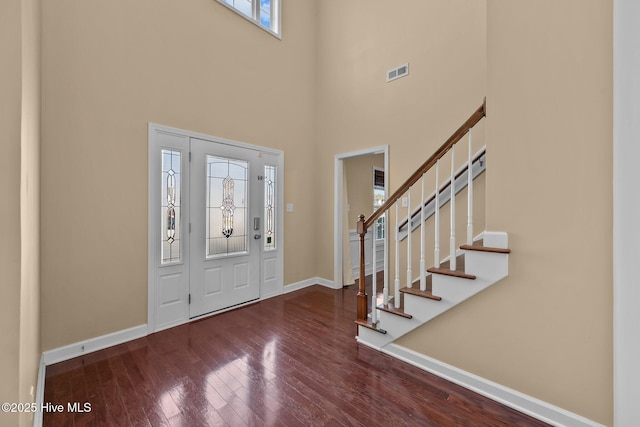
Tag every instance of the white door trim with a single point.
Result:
(626, 210)
(153, 225)
(338, 205)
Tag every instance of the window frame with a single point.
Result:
(276, 12)
(379, 227)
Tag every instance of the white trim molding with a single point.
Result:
(37, 416)
(93, 344)
(292, 287)
(514, 399)
(626, 211)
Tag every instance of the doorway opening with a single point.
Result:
(342, 250)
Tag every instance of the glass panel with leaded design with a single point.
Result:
(226, 206)
(269, 207)
(170, 207)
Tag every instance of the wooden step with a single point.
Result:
(372, 326)
(390, 308)
(478, 245)
(417, 292)
(458, 272)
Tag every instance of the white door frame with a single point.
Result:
(338, 205)
(153, 225)
(626, 210)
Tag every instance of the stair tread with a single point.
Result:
(372, 326)
(458, 272)
(419, 293)
(478, 245)
(390, 308)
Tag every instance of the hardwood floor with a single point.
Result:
(288, 361)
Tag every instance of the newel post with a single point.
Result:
(362, 293)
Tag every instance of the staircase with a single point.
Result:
(479, 266)
(468, 269)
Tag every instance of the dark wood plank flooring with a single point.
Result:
(288, 361)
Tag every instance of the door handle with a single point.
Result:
(257, 236)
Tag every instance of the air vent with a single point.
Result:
(397, 72)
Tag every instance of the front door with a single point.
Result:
(215, 225)
(226, 226)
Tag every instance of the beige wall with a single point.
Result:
(546, 329)
(10, 101)
(359, 178)
(19, 184)
(110, 68)
(356, 107)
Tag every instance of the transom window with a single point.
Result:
(264, 13)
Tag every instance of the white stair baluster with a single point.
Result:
(374, 277)
(385, 288)
(396, 282)
(469, 197)
(436, 249)
(409, 237)
(423, 267)
(452, 237)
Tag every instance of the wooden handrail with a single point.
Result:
(457, 136)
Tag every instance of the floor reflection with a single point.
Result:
(287, 361)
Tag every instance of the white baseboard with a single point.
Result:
(94, 344)
(514, 399)
(308, 282)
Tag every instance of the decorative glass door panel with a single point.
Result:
(226, 206)
(170, 207)
(270, 207)
(225, 250)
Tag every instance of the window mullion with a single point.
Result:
(275, 16)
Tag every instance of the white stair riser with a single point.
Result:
(398, 325)
(450, 287)
(424, 309)
(486, 265)
(496, 239)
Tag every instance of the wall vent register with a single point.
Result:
(398, 72)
